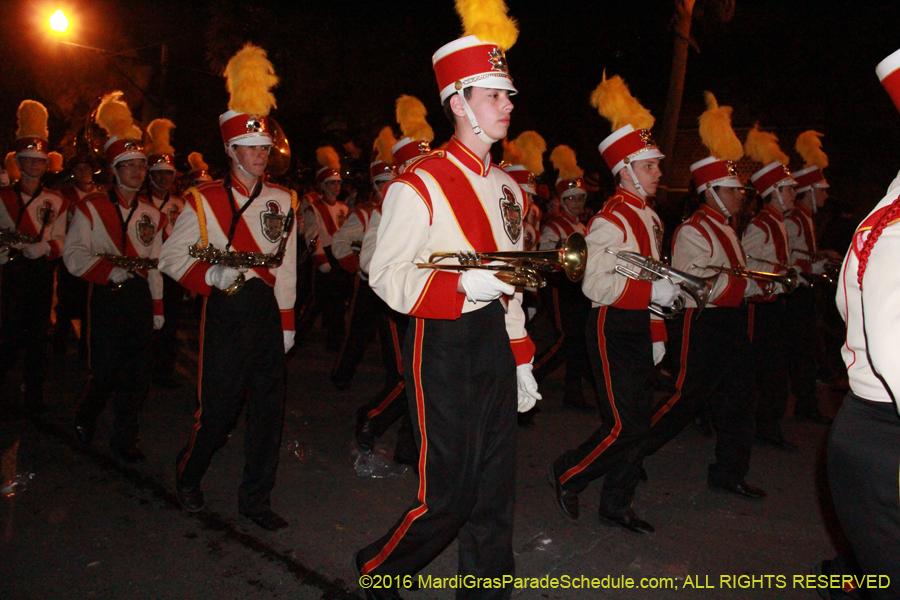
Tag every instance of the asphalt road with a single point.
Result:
(83, 526)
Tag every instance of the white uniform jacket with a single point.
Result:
(43, 217)
(447, 201)
(707, 239)
(557, 229)
(258, 230)
(802, 237)
(97, 229)
(625, 223)
(881, 293)
(171, 206)
(323, 220)
(766, 238)
(347, 242)
(370, 242)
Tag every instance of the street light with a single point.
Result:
(59, 22)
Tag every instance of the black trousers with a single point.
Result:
(570, 308)
(120, 330)
(71, 296)
(332, 291)
(26, 295)
(241, 359)
(620, 349)
(768, 337)
(863, 462)
(366, 313)
(165, 341)
(803, 347)
(715, 366)
(464, 379)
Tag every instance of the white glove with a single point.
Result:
(482, 285)
(36, 250)
(664, 292)
(818, 267)
(325, 268)
(752, 289)
(221, 276)
(527, 386)
(289, 340)
(4, 255)
(158, 322)
(659, 351)
(118, 275)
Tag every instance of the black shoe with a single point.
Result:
(267, 520)
(778, 441)
(84, 433)
(365, 437)
(190, 499)
(130, 456)
(566, 501)
(741, 488)
(371, 593)
(626, 520)
(812, 415)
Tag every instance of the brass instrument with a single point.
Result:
(12, 237)
(831, 265)
(791, 278)
(789, 281)
(244, 260)
(697, 288)
(521, 268)
(129, 263)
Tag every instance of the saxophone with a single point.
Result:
(129, 263)
(10, 237)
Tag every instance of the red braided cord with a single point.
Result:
(886, 217)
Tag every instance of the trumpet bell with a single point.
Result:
(573, 256)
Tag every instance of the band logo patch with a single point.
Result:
(173, 213)
(658, 232)
(145, 229)
(511, 211)
(272, 221)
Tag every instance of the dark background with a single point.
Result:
(787, 65)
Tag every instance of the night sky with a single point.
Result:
(787, 65)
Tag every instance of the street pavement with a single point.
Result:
(78, 525)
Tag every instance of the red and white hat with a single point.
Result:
(244, 129)
(199, 169)
(249, 78)
(382, 166)
(470, 62)
(161, 154)
(711, 172)
(773, 175)
(523, 177)
(888, 72)
(523, 159)
(407, 149)
(124, 141)
(626, 145)
(330, 163)
(31, 135)
(808, 178)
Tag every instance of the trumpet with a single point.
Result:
(831, 267)
(129, 263)
(521, 268)
(789, 281)
(244, 260)
(697, 288)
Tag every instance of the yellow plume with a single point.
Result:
(511, 153)
(249, 76)
(328, 157)
(159, 131)
(12, 167)
(411, 118)
(532, 146)
(809, 146)
(616, 104)
(383, 144)
(195, 159)
(487, 20)
(54, 162)
(716, 132)
(114, 116)
(563, 159)
(762, 147)
(32, 120)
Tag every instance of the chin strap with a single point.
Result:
(815, 205)
(634, 180)
(719, 203)
(475, 127)
(122, 186)
(777, 192)
(231, 153)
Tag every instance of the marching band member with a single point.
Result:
(766, 243)
(569, 304)
(161, 159)
(706, 373)
(125, 305)
(26, 295)
(323, 215)
(466, 335)
(524, 158)
(246, 330)
(864, 445)
(624, 341)
(199, 172)
(800, 307)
